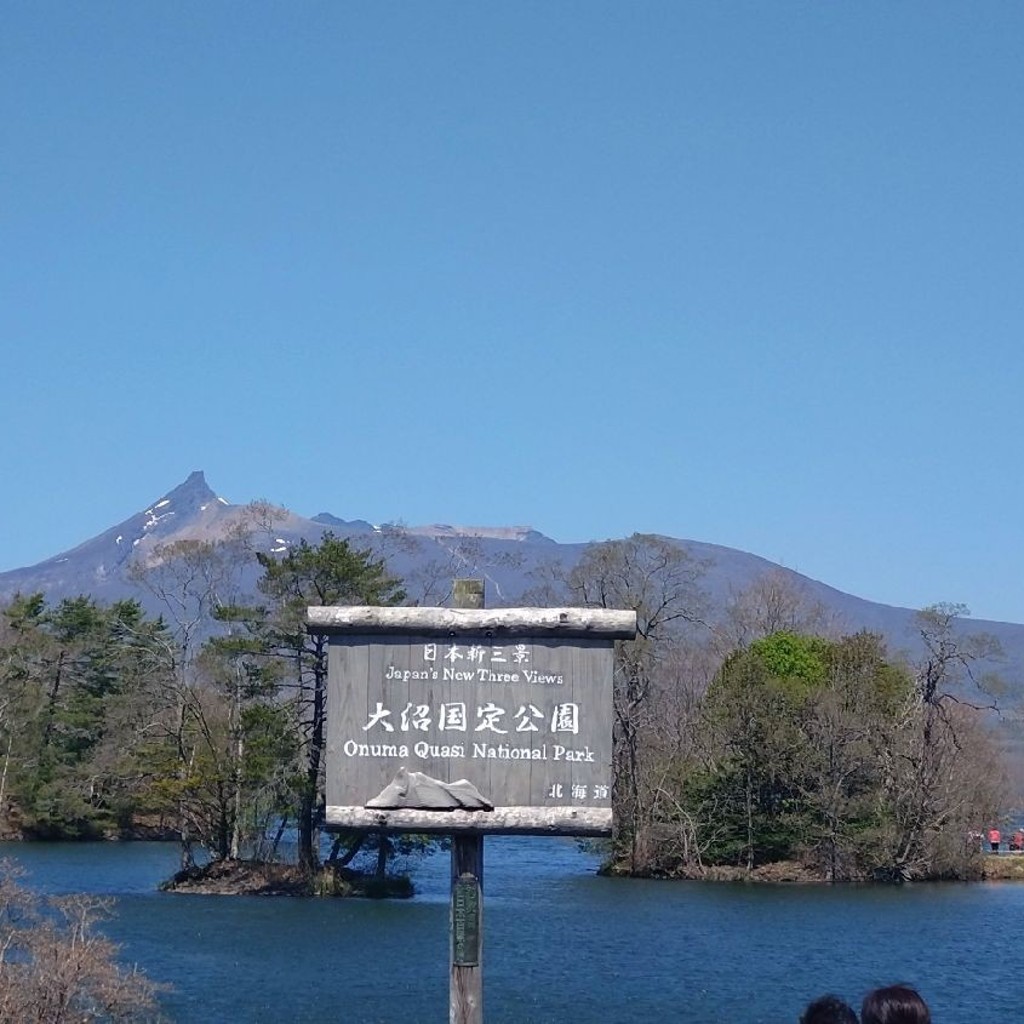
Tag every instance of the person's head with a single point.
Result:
(828, 1010)
(895, 1004)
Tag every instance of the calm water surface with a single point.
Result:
(561, 945)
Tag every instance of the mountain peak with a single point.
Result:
(187, 501)
(192, 494)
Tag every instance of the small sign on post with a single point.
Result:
(466, 921)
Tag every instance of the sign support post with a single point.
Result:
(466, 981)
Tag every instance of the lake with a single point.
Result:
(560, 944)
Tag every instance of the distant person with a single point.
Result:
(828, 1010)
(994, 838)
(1017, 841)
(896, 1004)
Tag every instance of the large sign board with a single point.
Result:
(516, 703)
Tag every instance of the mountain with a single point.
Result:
(505, 556)
(428, 557)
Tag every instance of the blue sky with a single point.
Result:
(746, 273)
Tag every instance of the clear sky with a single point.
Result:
(745, 273)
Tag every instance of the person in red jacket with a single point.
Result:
(994, 839)
(1017, 841)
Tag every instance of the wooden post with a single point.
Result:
(466, 988)
(466, 984)
(468, 594)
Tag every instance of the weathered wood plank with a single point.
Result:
(525, 821)
(577, 623)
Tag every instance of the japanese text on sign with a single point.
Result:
(452, 717)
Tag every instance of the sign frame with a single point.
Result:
(573, 637)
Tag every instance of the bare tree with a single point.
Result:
(935, 766)
(774, 602)
(661, 581)
(55, 968)
(191, 580)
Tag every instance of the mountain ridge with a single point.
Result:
(194, 510)
(428, 557)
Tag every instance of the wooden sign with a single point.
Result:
(442, 719)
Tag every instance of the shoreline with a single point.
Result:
(246, 877)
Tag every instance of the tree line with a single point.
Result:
(745, 736)
(206, 719)
(759, 734)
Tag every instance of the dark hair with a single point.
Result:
(896, 1004)
(828, 1010)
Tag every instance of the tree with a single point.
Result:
(661, 581)
(246, 737)
(73, 711)
(249, 752)
(940, 776)
(329, 573)
(681, 832)
(190, 579)
(752, 709)
(772, 603)
(851, 717)
(833, 753)
(798, 728)
(213, 669)
(429, 564)
(55, 968)
(23, 645)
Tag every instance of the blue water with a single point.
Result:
(560, 944)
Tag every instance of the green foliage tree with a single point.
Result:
(849, 719)
(830, 752)
(329, 573)
(752, 712)
(73, 712)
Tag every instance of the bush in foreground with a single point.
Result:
(55, 968)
